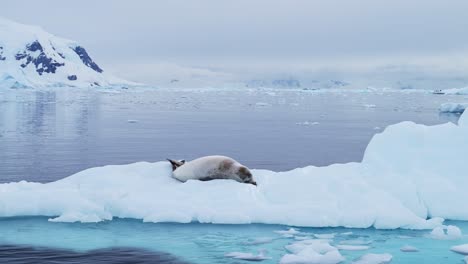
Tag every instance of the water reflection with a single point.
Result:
(16, 254)
(48, 135)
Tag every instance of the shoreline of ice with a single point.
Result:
(411, 176)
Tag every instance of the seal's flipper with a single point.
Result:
(175, 164)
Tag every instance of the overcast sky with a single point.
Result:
(118, 32)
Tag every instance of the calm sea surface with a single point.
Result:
(48, 135)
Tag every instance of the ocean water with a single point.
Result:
(46, 135)
(126, 239)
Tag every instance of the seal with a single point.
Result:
(211, 168)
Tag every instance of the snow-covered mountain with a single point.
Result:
(32, 57)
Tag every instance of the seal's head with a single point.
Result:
(246, 176)
(176, 163)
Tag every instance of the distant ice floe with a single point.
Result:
(460, 249)
(288, 233)
(409, 172)
(307, 123)
(452, 108)
(372, 258)
(456, 91)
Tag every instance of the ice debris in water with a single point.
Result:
(307, 123)
(466, 259)
(408, 249)
(370, 106)
(358, 241)
(352, 247)
(452, 108)
(259, 241)
(325, 236)
(288, 233)
(372, 258)
(446, 233)
(262, 104)
(311, 252)
(247, 256)
(460, 249)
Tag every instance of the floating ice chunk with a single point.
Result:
(312, 251)
(377, 128)
(466, 259)
(302, 237)
(247, 256)
(346, 233)
(356, 242)
(408, 249)
(370, 106)
(288, 233)
(259, 241)
(261, 104)
(452, 108)
(325, 236)
(460, 249)
(317, 245)
(352, 247)
(456, 91)
(307, 123)
(132, 121)
(372, 258)
(454, 231)
(446, 233)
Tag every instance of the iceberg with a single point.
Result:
(412, 176)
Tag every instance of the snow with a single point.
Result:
(247, 256)
(372, 258)
(312, 251)
(408, 248)
(446, 233)
(461, 249)
(452, 108)
(409, 172)
(15, 38)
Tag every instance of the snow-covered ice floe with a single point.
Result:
(411, 176)
(452, 108)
